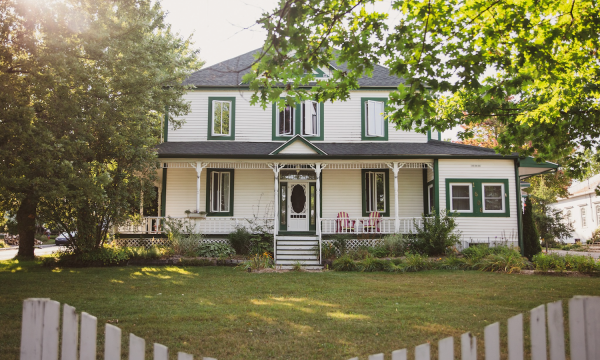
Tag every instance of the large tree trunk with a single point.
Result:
(26, 224)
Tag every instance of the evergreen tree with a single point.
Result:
(531, 239)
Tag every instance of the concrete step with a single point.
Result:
(304, 267)
(299, 237)
(298, 242)
(295, 252)
(297, 257)
(293, 262)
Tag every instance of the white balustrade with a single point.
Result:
(209, 225)
(365, 225)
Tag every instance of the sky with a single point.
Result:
(223, 29)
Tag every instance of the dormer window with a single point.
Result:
(310, 118)
(285, 121)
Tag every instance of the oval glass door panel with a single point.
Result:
(298, 199)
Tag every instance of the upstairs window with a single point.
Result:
(221, 118)
(375, 192)
(583, 217)
(285, 121)
(461, 196)
(374, 125)
(310, 118)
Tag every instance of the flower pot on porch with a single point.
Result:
(196, 216)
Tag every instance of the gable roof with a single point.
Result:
(298, 139)
(229, 73)
(242, 149)
(585, 187)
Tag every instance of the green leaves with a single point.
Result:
(531, 65)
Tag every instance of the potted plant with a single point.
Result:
(196, 214)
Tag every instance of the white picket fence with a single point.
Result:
(41, 322)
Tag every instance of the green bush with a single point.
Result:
(452, 263)
(397, 244)
(415, 262)
(340, 242)
(436, 235)
(328, 251)
(584, 264)
(379, 251)
(371, 264)
(344, 263)
(261, 244)
(153, 252)
(183, 239)
(215, 250)
(545, 262)
(531, 237)
(106, 255)
(258, 262)
(503, 262)
(240, 240)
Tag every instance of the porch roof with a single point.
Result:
(241, 149)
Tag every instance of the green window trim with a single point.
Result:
(363, 126)
(298, 124)
(231, 135)
(209, 173)
(477, 197)
(386, 179)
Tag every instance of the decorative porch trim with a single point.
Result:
(294, 164)
(298, 137)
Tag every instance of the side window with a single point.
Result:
(461, 196)
(285, 121)
(569, 217)
(493, 198)
(598, 215)
(219, 192)
(310, 119)
(583, 217)
(431, 197)
(221, 118)
(374, 126)
(375, 192)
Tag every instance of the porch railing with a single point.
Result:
(209, 225)
(365, 225)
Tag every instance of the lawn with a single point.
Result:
(229, 314)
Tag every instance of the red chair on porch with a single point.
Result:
(372, 224)
(344, 224)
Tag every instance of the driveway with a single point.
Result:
(11, 253)
(595, 255)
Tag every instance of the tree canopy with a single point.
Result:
(85, 87)
(531, 65)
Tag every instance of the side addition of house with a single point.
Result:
(317, 169)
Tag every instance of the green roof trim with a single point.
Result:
(530, 162)
(298, 138)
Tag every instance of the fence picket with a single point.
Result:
(112, 342)
(592, 328)
(161, 352)
(376, 357)
(515, 337)
(577, 328)
(50, 330)
(31, 329)
(137, 348)
(184, 356)
(468, 346)
(538, 333)
(87, 343)
(423, 352)
(399, 354)
(492, 341)
(446, 349)
(70, 333)
(556, 330)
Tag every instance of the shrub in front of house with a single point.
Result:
(436, 234)
(555, 262)
(241, 240)
(216, 250)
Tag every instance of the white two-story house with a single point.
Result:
(317, 169)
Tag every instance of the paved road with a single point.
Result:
(9, 254)
(595, 255)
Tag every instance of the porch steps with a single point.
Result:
(298, 249)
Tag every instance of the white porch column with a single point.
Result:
(159, 199)
(275, 167)
(395, 168)
(318, 169)
(199, 166)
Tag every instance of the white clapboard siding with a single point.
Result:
(476, 228)
(40, 336)
(342, 119)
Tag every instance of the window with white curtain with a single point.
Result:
(375, 198)
(285, 121)
(374, 118)
(310, 118)
(220, 191)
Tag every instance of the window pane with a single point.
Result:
(431, 199)
(379, 107)
(493, 204)
(315, 129)
(217, 105)
(492, 191)
(370, 114)
(380, 192)
(225, 192)
(225, 118)
(215, 191)
(460, 191)
(312, 204)
(460, 204)
(283, 205)
(368, 191)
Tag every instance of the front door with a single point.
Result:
(298, 207)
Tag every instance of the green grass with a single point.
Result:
(229, 314)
